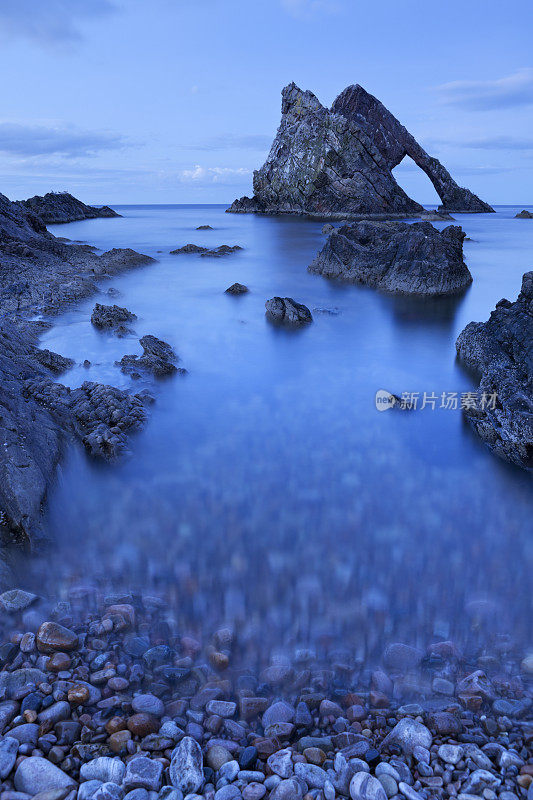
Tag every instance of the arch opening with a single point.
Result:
(415, 182)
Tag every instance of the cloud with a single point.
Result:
(510, 92)
(306, 8)
(490, 143)
(24, 141)
(222, 175)
(49, 21)
(229, 141)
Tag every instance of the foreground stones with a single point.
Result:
(499, 351)
(158, 359)
(56, 207)
(124, 708)
(396, 257)
(286, 311)
(338, 162)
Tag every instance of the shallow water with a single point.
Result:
(266, 489)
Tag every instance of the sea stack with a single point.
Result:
(337, 163)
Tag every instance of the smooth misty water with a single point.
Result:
(266, 487)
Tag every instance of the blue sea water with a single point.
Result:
(266, 490)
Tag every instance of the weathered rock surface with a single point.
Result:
(338, 162)
(237, 288)
(396, 257)
(501, 352)
(111, 317)
(39, 274)
(56, 207)
(524, 214)
(158, 358)
(286, 311)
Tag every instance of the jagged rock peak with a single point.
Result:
(338, 162)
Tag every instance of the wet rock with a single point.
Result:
(148, 704)
(51, 637)
(35, 774)
(450, 753)
(524, 214)
(53, 361)
(408, 734)
(143, 773)
(281, 763)
(107, 770)
(289, 789)
(158, 358)
(277, 712)
(111, 317)
(479, 780)
(216, 252)
(237, 288)
(396, 257)
(204, 228)
(366, 787)
(8, 755)
(16, 600)
(313, 776)
(286, 311)
(12, 682)
(499, 351)
(186, 766)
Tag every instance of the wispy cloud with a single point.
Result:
(49, 21)
(228, 176)
(24, 141)
(509, 92)
(306, 8)
(485, 143)
(230, 141)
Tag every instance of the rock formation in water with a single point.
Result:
(237, 288)
(338, 162)
(397, 257)
(158, 358)
(56, 207)
(501, 352)
(524, 215)
(40, 274)
(112, 318)
(215, 252)
(286, 311)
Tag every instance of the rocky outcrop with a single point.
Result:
(338, 162)
(40, 274)
(237, 288)
(215, 252)
(158, 358)
(524, 214)
(56, 207)
(500, 351)
(112, 318)
(286, 311)
(395, 142)
(398, 257)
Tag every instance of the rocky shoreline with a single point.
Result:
(61, 207)
(105, 698)
(40, 276)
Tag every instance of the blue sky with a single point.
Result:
(174, 101)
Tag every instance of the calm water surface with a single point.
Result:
(266, 490)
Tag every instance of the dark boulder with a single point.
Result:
(286, 311)
(111, 317)
(500, 351)
(237, 288)
(158, 358)
(53, 361)
(397, 257)
(524, 215)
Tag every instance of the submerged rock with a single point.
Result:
(55, 207)
(500, 351)
(204, 228)
(158, 358)
(237, 288)
(524, 214)
(286, 311)
(396, 257)
(215, 252)
(53, 361)
(338, 162)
